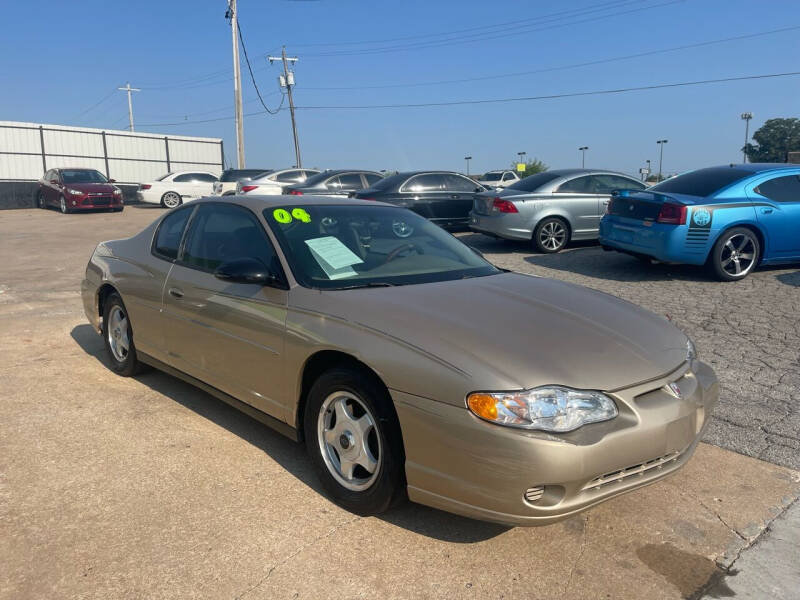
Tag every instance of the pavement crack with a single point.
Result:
(584, 541)
(286, 559)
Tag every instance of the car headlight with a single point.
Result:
(75, 192)
(691, 351)
(117, 192)
(550, 408)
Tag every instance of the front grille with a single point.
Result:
(632, 471)
(532, 494)
(634, 208)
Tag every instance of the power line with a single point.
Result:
(553, 96)
(563, 67)
(504, 100)
(253, 79)
(93, 106)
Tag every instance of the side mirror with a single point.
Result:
(246, 270)
(54, 181)
(112, 181)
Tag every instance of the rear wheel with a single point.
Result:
(171, 200)
(735, 254)
(118, 338)
(353, 438)
(550, 235)
(41, 202)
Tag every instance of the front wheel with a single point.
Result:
(353, 438)
(171, 200)
(62, 203)
(550, 235)
(735, 254)
(118, 338)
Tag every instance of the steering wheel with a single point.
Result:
(400, 249)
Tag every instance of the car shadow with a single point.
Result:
(789, 278)
(416, 518)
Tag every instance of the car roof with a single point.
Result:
(258, 203)
(758, 167)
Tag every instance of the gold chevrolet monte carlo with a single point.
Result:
(408, 364)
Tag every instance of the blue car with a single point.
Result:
(730, 218)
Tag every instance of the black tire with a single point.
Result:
(168, 202)
(735, 254)
(41, 202)
(551, 235)
(129, 364)
(229, 193)
(120, 209)
(388, 483)
(62, 203)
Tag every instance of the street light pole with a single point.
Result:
(521, 156)
(583, 150)
(746, 116)
(467, 158)
(660, 157)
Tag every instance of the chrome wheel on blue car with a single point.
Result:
(735, 254)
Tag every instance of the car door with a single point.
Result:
(350, 182)
(460, 193)
(422, 194)
(606, 184)
(229, 335)
(204, 184)
(509, 178)
(779, 214)
(52, 189)
(186, 185)
(579, 200)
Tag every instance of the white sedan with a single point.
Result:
(173, 189)
(272, 183)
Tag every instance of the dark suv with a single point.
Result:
(226, 186)
(78, 189)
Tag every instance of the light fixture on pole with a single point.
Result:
(660, 157)
(467, 158)
(746, 116)
(583, 150)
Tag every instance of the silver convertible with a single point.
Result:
(551, 208)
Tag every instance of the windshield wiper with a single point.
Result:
(366, 285)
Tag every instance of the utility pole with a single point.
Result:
(467, 158)
(661, 157)
(233, 15)
(129, 89)
(583, 150)
(746, 118)
(287, 81)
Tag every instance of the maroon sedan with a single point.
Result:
(78, 189)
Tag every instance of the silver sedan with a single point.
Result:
(550, 208)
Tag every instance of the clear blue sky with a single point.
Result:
(61, 58)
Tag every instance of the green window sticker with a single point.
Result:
(282, 215)
(301, 215)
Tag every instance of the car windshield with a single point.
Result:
(82, 176)
(492, 177)
(239, 174)
(319, 178)
(702, 182)
(352, 246)
(534, 182)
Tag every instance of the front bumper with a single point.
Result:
(458, 463)
(76, 203)
(509, 226)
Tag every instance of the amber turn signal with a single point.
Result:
(483, 405)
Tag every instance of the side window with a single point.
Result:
(204, 177)
(456, 183)
(424, 183)
(290, 176)
(225, 232)
(333, 184)
(184, 178)
(579, 185)
(372, 179)
(608, 183)
(307, 174)
(170, 232)
(48, 175)
(351, 181)
(781, 189)
(508, 177)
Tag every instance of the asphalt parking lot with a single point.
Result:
(149, 488)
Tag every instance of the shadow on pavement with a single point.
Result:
(291, 456)
(789, 278)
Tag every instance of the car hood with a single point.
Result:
(521, 331)
(91, 188)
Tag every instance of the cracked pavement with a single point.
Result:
(749, 331)
(149, 488)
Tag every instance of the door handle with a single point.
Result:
(766, 211)
(454, 196)
(175, 293)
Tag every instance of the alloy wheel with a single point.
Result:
(552, 235)
(63, 204)
(171, 200)
(118, 339)
(40, 200)
(349, 441)
(738, 254)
